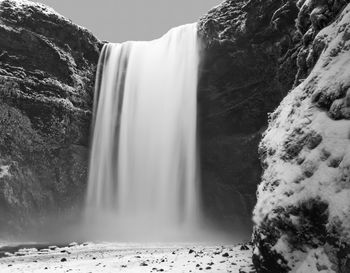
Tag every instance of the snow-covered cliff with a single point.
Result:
(302, 214)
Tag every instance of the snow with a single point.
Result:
(315, 260)
(5, 171)
(111, 257)
(327, 181)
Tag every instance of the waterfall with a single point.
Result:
(143, 165)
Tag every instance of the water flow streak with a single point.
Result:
(143, 166)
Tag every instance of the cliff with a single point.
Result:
(302, 213)
(249, 64)
(47, 70)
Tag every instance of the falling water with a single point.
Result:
(143, 166)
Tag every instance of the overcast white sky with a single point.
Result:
(123, 20)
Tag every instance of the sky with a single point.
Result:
(125, 20)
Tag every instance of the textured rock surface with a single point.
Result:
(303, 212)
(47, 67)
(249, 65)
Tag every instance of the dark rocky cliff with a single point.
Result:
(47, 70)
(249, 65)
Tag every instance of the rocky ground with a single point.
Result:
(89, 257)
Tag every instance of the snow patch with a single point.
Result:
(5, 171)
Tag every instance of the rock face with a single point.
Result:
(303, 211)
(249, 65)
(47, 70)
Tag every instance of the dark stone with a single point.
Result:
(244, 247)
(47, 70)
(314, 140)
(249, 65)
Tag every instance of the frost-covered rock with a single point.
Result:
(47, 68)
(313, 16)
(302, 215)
